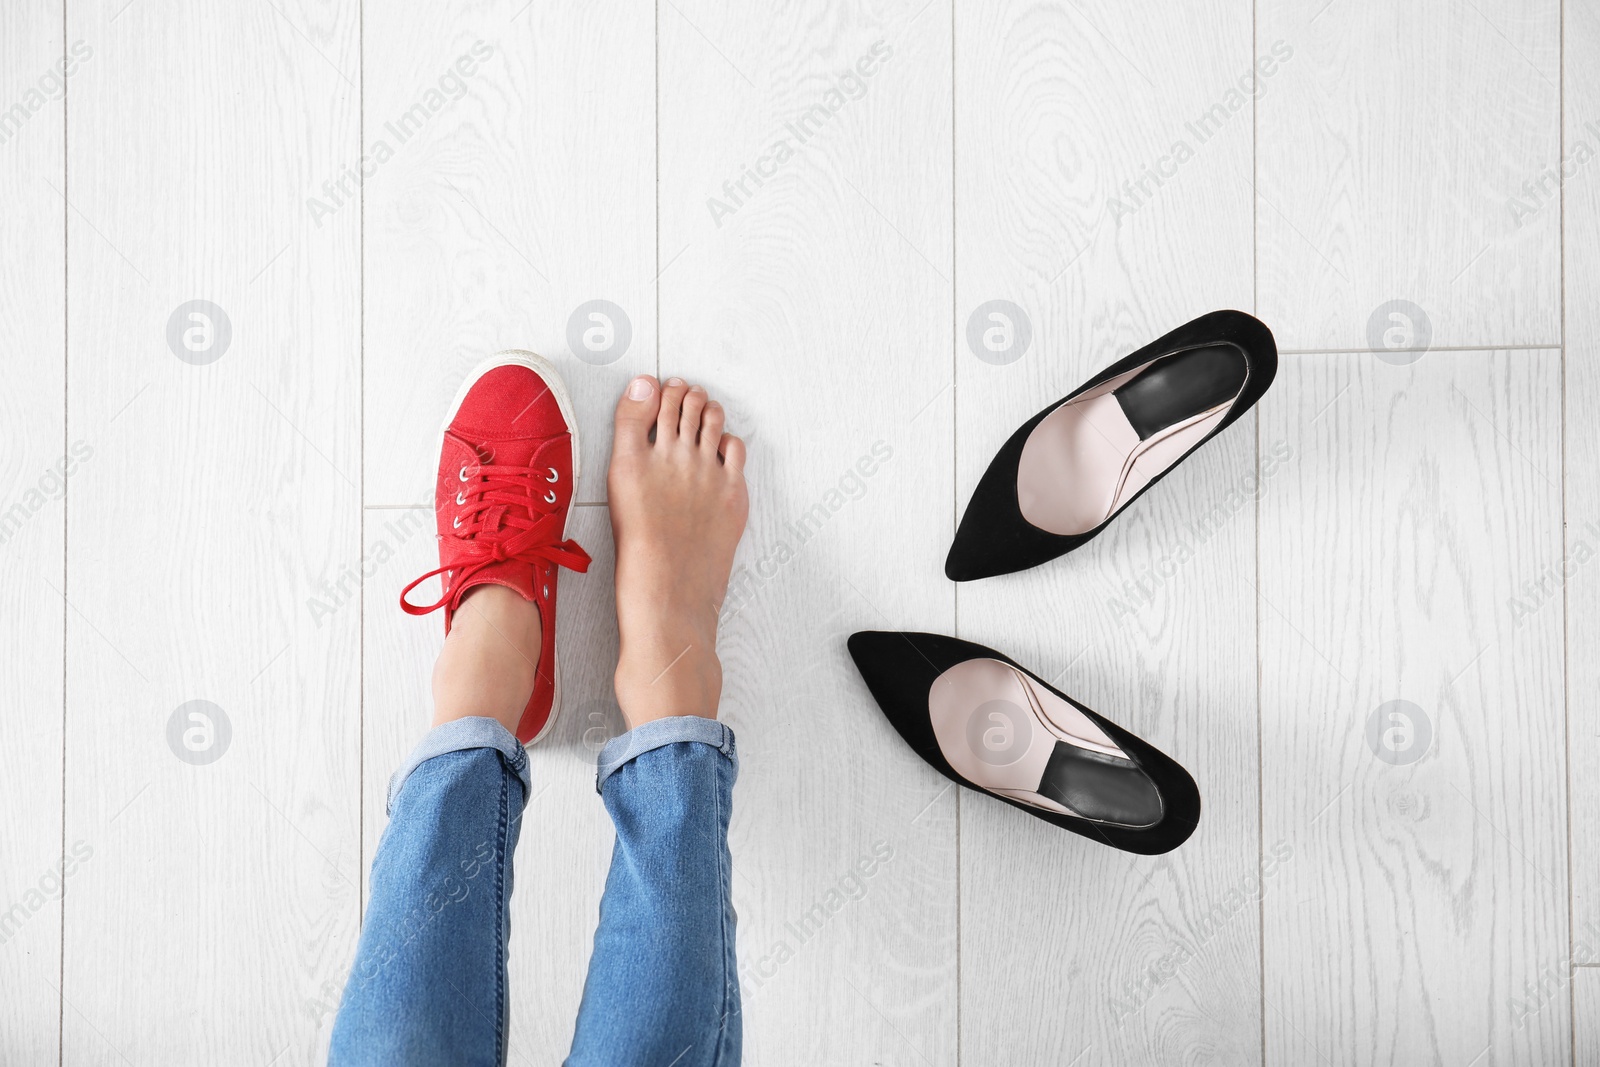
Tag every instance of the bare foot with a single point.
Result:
(678, 508)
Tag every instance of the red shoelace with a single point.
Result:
(502, 524)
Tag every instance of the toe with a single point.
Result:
(711, 426)
(732, 450)
(671, 409)
(636, 413)
(694, 402)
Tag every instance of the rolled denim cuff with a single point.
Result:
(659, 733)
(457, 735)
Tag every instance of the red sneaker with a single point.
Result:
(508, 465)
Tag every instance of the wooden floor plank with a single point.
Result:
(1103, 238)
(500, 218)
(1405, 153)
(1412, 724)
(806, 246)
(212, 538)
(35, 464)
(1573, 576)
(1586, 1013)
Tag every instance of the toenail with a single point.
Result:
(639, 389)
(674, 381)
(698, 389)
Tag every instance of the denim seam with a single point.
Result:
(724, 876)
(500, 929)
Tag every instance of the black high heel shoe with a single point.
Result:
(986, 723)
(1080, 462)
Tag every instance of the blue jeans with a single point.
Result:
(429, 981)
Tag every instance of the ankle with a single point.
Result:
(659, 681)
(490, 658)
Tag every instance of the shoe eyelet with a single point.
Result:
(547, 592)
(550, 497)
(464, 474)
(460, 499)
(457, 524)
(555, 475)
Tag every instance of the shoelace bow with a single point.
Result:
(502, 523)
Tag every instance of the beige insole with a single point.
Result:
(1084, 460)
(997, 728)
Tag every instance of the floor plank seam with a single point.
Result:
(66, 432)
(1566, 701)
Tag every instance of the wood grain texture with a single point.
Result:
(815, 301)
(1427, 884)
(34, 465)
(375, 215)
(1070, 950)
(527, 194)
(565, 848)
(1586, 1015)
(222, 896)
(1393, 150)
(1574, 575)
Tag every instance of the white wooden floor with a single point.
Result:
(373, 197)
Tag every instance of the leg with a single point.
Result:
(429, 982)
(663, 987)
